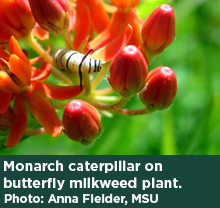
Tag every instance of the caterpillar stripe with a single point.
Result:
(73, 61)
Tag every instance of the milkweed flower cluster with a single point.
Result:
(113, 38)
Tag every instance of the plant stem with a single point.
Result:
(150, 57)
(106, 98)
(67, 39)
(59, 105)
(131, 112)
(87, 84)
(32, 132)
(100, 76)
(103, 106)
(30, 40)
(105, 91)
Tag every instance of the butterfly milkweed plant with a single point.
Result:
(99, 42)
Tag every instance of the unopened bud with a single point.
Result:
(158, 30)
(128, 71)
(160, 89)
(15, 19)
(81, 122)
(51, 15)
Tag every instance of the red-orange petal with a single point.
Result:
(14, 48)
(5, 99)
(43, 111)
(106, 53)
(7, 84)
(125, 5)
(40, 33)
(83, 23)
(109, 8)
(18, 123)
(111, 32)
(8, 32)
(40, 74)
(10, 11)
(25, 15)
(19, 68)
(99, 16)
(57, 92)
(38, 58)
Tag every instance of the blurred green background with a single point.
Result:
(191, 125)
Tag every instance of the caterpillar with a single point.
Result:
(73, 61)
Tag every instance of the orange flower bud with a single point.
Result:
(160, 89)
(158, 30)
(16, 19)
(81, 122)
(125, 6)
(51, 15)
(128, 71)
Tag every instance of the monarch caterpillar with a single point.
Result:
(73, 61)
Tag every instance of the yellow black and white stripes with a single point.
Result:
(73, 61)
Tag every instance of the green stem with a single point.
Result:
(30, 40)
(87, 84)
(32, 132)
(59, 105)
(100, 76)
(106, 98)
(131, 112)
(105, 91)
(150, 56)
(67, 39)
(103, 106)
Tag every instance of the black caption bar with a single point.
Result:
(107, 181)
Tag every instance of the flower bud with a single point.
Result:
(16, 19)
(128, 71)
(125, 6)
(160, 89)
(81, 122)
(51, 15)
(158, 30)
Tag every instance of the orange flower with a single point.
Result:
(16, 19)
(19, 79)
(125, 15)
(124, 5)
(90, 17)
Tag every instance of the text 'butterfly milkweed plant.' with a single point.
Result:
(98, 37)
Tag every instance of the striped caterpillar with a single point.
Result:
(73, 61)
